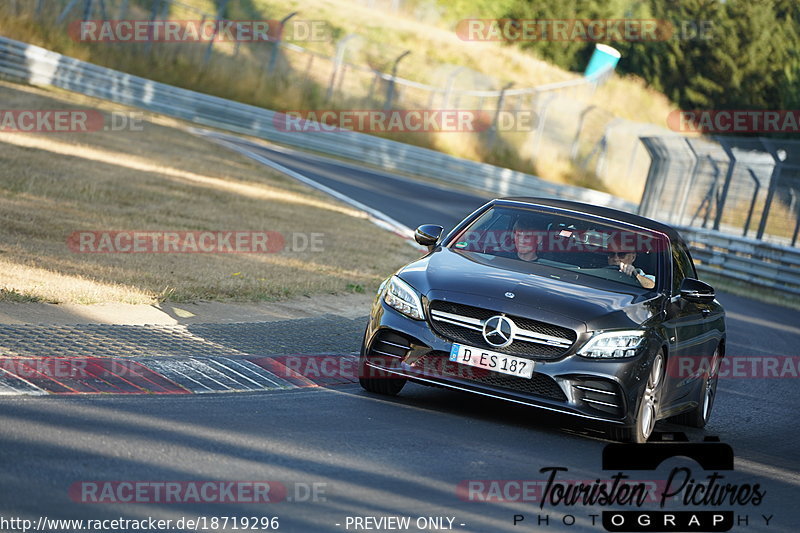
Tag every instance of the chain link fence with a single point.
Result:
(734, 198)
(568, 127)
(737, 185)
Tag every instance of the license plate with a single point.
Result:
(496, 362)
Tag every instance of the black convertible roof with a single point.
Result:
(599, 211)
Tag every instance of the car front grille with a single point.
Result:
(464, 324)
(437, 364)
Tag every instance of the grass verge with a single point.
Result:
(165, 179)
(426, 29)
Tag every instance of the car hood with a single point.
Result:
(539, 292)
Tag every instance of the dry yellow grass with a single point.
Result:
(436, 51)
(164, 178)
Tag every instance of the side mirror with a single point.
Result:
(694, 290)
(428, 235)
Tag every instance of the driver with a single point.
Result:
(624, 259)
(526, 238)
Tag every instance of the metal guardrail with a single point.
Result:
(35, 65)
(757, 262)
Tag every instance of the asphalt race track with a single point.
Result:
(335, 452)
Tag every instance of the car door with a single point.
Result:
(687, 328)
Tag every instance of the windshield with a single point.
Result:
(582, 245)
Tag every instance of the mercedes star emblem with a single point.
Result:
(499, 331)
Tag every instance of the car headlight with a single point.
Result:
(400, 296)
(613, 344)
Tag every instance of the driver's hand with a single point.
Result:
(627, 269)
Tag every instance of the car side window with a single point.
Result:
(682, 266)
(691, 272)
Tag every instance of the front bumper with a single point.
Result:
(600, 390)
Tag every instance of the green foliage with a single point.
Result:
(734, 54)
(567, 54)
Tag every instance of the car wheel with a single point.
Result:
(698, 417)
(646, 415)
(375, 380)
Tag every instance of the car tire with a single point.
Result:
(699, 416)
(647, 411)
(378, 385)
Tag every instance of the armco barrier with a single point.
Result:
(35, 65)
(760, 263)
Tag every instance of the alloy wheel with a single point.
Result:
(649, 409)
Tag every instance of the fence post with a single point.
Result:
(575, 142)
(752, 202)
(689, 184)
(220, 12)
(153, 16)
(726, 185)
(448, 87)
(601, 149)
(276, 45)
(87, 9)
(540, 127)
(64, 12)
(390, 89)
(500, 98)
(103, 12)
(341, 47)
(792, 206)
(773, 185)
(712, 191)
(375, 79)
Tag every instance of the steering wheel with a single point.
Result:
(622, 276)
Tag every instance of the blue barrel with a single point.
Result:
(603, 57)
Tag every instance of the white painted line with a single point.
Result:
(165, 369)
(230, 368)
(377, 217)
(9, 389)
(348, 164)
(16, 392)
(214, 363)
(257, 370)
(768, 471)
(227, 372)
(198, 364)
(764, 323)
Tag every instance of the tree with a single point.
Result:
(750, 58)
